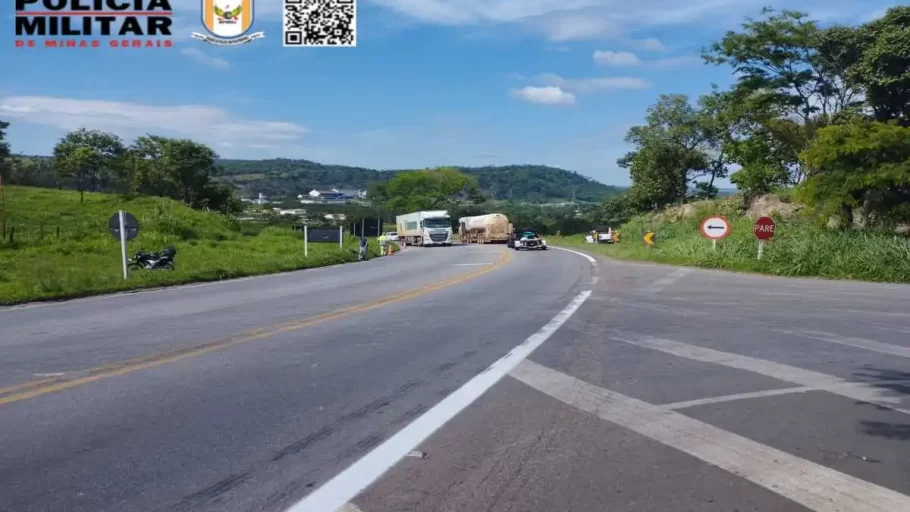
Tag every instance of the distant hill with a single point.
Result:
(533, 183)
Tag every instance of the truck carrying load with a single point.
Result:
(425, 228)
(493, 227)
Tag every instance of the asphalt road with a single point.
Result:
(625, 387)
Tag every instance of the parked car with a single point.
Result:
(392, 235)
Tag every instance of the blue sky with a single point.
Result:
(431, 82)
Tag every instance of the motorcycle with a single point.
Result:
(163, 260)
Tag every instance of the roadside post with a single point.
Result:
(340, 237)
(764, 230)
(715, 228)
(306, 242)
(123, 226)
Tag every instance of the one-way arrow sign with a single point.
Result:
(715, 227)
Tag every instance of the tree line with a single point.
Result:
(824, 112)
(532, 183)
(94, 160)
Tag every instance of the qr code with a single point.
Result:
(320, 23)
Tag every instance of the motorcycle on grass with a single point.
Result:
(163, 260)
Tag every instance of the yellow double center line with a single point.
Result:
(34, 388)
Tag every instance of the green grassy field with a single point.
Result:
(798, 248)
(61, 248)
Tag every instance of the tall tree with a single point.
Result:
(442, 188)
(678, 144)
(791, 89)
(4, 152)
(144, 159)
(78, 165)
(778, 57)
(875, 58)
(187, 164)
(88, 158)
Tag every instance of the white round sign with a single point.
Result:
(715, 227)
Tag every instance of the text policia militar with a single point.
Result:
(93, 23)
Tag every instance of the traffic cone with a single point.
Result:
(390, 249)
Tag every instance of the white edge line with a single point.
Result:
(807, 483)
(583, 255)
(346, 485)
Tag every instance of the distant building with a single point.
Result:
(335, 196)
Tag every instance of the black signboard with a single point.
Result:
(130, 224)
(323, 235)
(371, 227)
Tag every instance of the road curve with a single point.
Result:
(249, 394)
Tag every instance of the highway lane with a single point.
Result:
(665, 389)
(676, 389)
(230, 396)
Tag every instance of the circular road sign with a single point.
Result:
(715, 227)
(764, 228)
(129, 222)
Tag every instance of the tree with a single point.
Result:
(78, 164)
(442, 188)
(144, 159)
(778, 58)
(4, 152)
(788, 88)
(875, 58)
(861, 172)
(88, 158)
(188, 165)
(679, 144)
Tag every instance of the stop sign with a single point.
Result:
(764, 228)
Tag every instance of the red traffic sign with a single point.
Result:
(715, 227)
(764, 228)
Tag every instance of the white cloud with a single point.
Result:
(672, 62)
(591, 85)
(569, 27)
(618, 59)
(544, 95)
(611, 58)
(650, 44)
(564, 20)
(204, 123)
(206, 60)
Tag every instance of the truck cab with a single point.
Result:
(425, 228)
(436, 231)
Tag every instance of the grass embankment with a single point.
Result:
(798, 248)
(63, 249)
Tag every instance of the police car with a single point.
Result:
(529, 240)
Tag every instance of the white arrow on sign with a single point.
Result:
(715, 228)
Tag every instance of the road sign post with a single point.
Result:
(340, 237)
(123, 226)
(123, 243)
(649, 238)
(306, 242)
(715, 228)
(763, 229)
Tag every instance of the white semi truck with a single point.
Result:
(425, 228)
